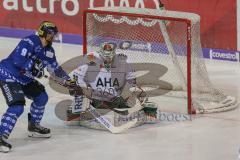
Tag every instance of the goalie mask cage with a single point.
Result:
(165, 50)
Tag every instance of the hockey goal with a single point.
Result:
(165, 50)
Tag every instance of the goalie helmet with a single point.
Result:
(48, 30)
(108, 50)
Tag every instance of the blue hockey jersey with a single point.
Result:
(23, 58)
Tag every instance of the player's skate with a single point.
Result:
(4, 145)
(36, 130)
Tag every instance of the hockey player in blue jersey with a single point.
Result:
(17, 81)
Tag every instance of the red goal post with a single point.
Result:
(97, 25)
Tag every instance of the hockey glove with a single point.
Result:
(38, 69)
(74, 89)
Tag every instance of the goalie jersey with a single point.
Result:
(106, 82)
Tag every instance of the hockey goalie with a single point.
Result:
(107, 84)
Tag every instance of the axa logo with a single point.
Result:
(125, 3)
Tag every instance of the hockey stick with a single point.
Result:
(29, 75)
(101, 119)
(108, 125)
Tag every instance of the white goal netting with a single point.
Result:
(164, 47)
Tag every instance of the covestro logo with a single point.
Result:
(232, 56)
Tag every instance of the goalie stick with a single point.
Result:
(108, 125)
(101, 119)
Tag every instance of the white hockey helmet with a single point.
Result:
(108, 50)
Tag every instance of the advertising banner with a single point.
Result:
(218, 17)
